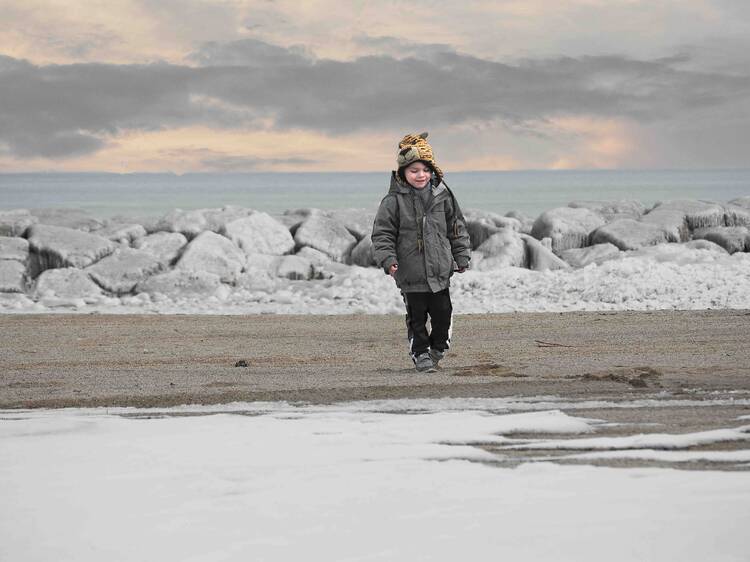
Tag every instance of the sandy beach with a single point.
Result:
(153, 360)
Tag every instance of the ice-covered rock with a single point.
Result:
(357, 221)
(122, 270)
(741, 201)
(567, 227)
(705, 245)
(526, 222)
(15, 222)
(490, 218)
(698, 214)
(12, 276)
(539, 257)
(67, 283)
(14, 248)
(293, 218)
(189, 223)
(612, 210)
(362, 254)
(180, 283)
(58, 246)
(164, 246)
(505, 248)
(294, 268)
(598, 253)
(77, 219)
(672, 223)
(735, 215)
(731, 238)
(259, 233)
(479, 231)
(212, 253)
(217, 219)
(629, 234)
(122, 232)
(315, 257)
(327, 235)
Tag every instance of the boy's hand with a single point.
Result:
(393, 269)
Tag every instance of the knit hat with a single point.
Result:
(413, 148)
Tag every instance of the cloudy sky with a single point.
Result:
(292, 85)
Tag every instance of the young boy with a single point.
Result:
(419, 238)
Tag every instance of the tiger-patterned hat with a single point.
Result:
(413, 148)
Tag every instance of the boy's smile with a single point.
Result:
(418, 174)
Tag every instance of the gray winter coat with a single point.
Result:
(424, 243)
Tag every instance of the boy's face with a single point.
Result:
(417, 174)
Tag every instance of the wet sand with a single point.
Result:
(148, 360)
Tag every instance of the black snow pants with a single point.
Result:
(440, 311)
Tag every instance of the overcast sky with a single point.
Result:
(233, 85)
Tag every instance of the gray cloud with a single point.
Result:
(67, 110)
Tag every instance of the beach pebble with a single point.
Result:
(629, 234)
(12, 276)
(14, 248)
(259, 233)
(67, 283)
(598, 253)
(57, 246)
(212, 253)
(731, 238)
(567, 227)
(327, 235)
(122, 270)
(15, 222)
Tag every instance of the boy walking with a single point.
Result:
(419, 238)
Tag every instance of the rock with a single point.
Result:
(357, 221)
(698, 214)
(180, 283)
(75, 219)
(480, 231)
(705, 245)
(57, 246)
(293, 218)
(539, 257)
(315, 257)
(735, 215)
(568, 227)
(503, 249)
(121, 271)
(12, 276)
(326, 235)
(731, 238)
(612, 210)
(672, 223)
(15, 223)
(14, 248)
(490, 218)
(164, 246)
(212, 253)
(189, 223)
(122, 232)
(629, 234)
(294, 268)
(526, 222)
(217, 219)
(67, 283)
(598, 253)
(362, 253)
(260, 233)
(741, 202)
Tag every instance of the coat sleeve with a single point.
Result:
(458, 234)
(385, 233)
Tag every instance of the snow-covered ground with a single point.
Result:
(389, 480)
(668, 276)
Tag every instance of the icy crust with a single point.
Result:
(272, 486)
(241, 260)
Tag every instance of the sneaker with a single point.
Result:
(436, 355)
(423, 363)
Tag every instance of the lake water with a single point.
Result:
(531, 192)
